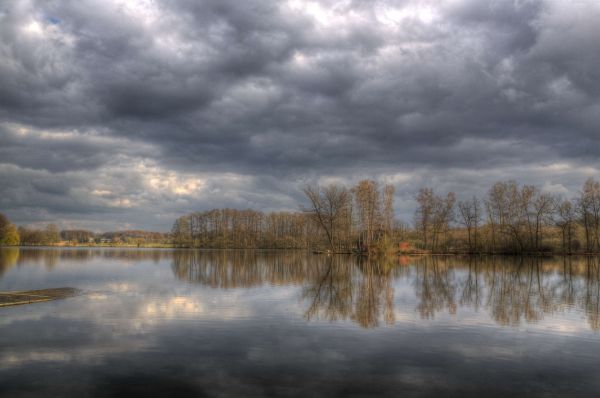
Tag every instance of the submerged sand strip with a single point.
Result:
(35, 296)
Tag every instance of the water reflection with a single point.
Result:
(350, 288)
(8, 258)
(240, 269)
(509, 290)
(49, 257)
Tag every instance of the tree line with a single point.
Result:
(11, 235)
(245, 229)
(510, 218)
(336, 218)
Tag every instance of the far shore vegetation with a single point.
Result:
(510, 219)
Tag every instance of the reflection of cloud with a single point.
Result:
(145, 319)
(492, 351)
(33, 356)
(13, 358)
(569, 326)
(122, 287)
(172, 307)
(224, 306)
(482, 292)
(97, 296)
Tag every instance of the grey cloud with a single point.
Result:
(278, 96)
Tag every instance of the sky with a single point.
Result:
(128, 114)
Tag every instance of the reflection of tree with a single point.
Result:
(434, 286)
(511, 290)
(351, 288)
(9, 256)
(239, 268)
(591, 299)
(375, 294)
(51, 256)
(335, 287)
(330, 289)
(566, 286)
(471, 291)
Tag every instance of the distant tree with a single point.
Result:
(4, 222)
(77, 235)
(51, 235)
(9, 235)
(181, 232)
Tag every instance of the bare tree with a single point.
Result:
(470, 217)
(496, 206)
(388, 208)
(368, 209)
(588, 207)
(566, 221)
(424, 213)
(181, 232)
(442, 216)
(433, 216)
(329, 207)
(543, 207)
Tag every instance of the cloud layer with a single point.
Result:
(127, 114)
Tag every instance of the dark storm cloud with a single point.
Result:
(59, 151)
(174, 106)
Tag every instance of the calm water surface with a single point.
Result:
(192, 323)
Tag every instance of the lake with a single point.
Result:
(289, 323)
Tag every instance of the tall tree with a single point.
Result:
(566, 221)
(442, 216)
(543, 208)
(4, 222)
(588, 207)
(329, 207)
(470, 217)
(388, 208)
(433, 216)
(51, 234)
(181, 232)
(424, 213)
(368, 205)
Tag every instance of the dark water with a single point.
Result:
(189, 323)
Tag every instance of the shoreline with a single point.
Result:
(312, 251)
